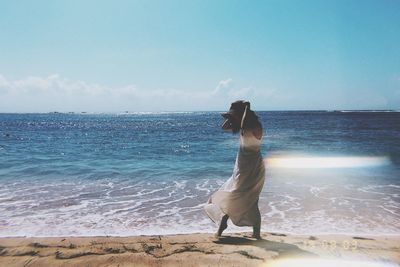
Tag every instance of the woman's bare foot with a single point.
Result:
(222, 226)
(256, 236)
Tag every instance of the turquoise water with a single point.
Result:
(150, 173)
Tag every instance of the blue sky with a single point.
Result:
(111, 56)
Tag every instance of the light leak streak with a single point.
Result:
(307, 162)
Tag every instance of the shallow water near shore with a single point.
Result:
(151, 173)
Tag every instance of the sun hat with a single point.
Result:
(237, 109)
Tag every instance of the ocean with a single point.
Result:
(65, 174)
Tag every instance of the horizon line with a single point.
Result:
(200, 111)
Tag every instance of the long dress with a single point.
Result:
(238, 196)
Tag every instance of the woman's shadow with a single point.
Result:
(283, 249)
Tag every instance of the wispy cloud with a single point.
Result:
(42, 94)
(223, 86)
(230, 92)
(57, 93)
(53, 84)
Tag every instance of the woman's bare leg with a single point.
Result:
(256, 232)
(223, 225)
(257, 226)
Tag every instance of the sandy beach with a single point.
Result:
(199, 250)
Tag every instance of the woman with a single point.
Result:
(237, 199)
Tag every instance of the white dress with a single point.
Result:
(238, 196)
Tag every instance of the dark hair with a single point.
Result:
(251, 120)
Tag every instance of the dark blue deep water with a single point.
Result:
(146, 173)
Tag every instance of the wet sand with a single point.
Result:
(197, 250)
